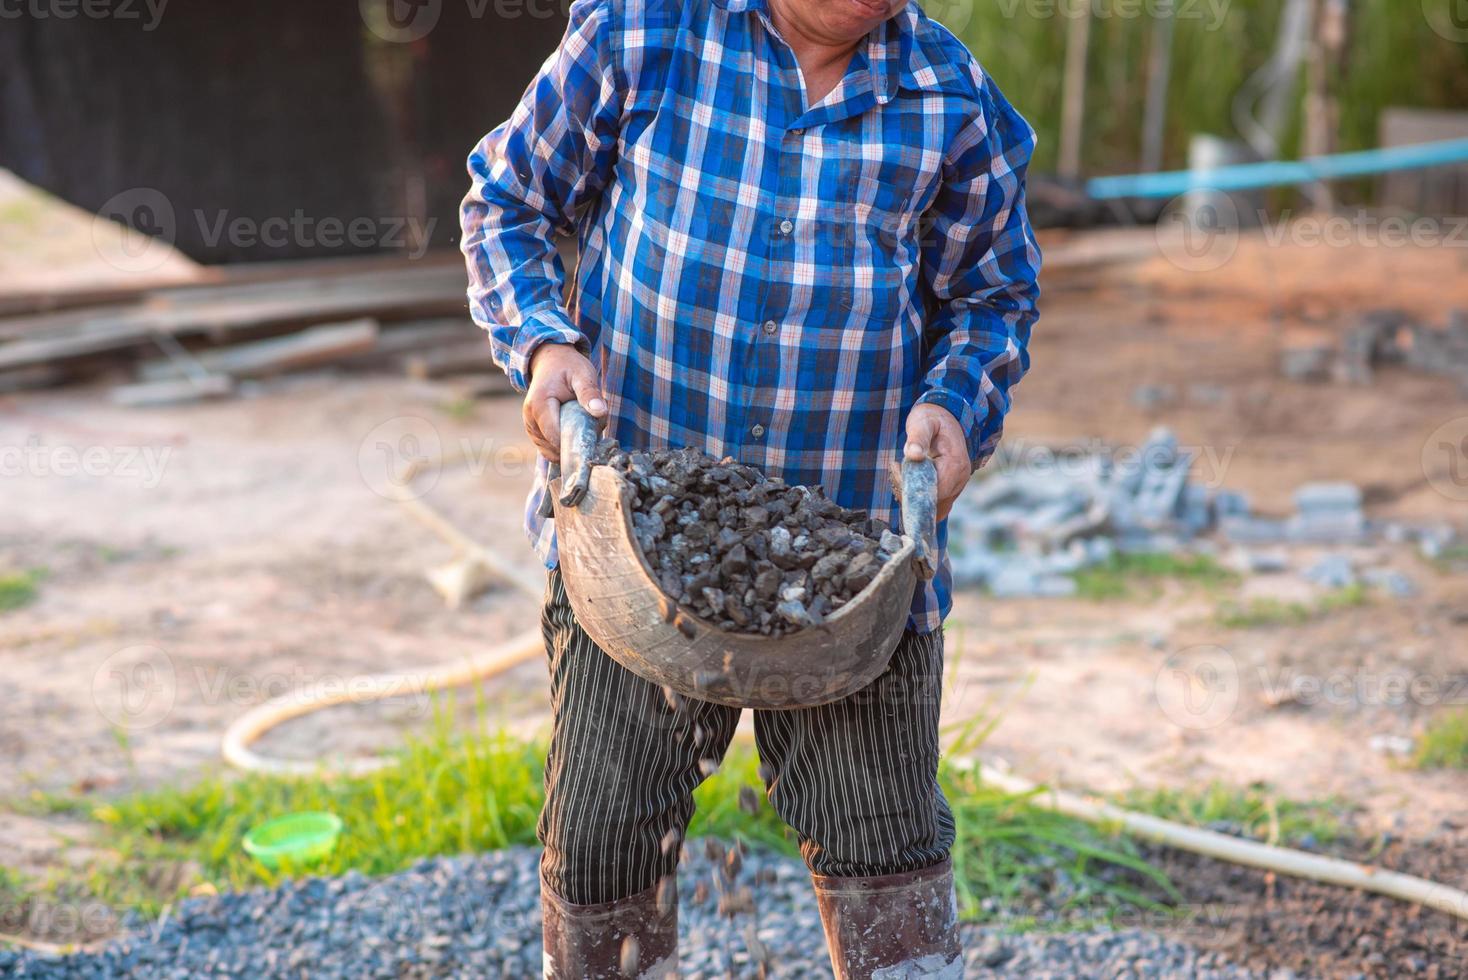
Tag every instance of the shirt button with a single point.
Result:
(771, 326)
(757, 431)
(787, 226)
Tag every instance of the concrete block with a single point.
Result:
(1310, 363)
(1315, 498)
(1152, 397)
(1390, 581)
(1229, 503)
(1331, 572)
(1259, 561)
(1252, 530)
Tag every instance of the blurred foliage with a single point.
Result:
(1396, 58)
(1444, 744)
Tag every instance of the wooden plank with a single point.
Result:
(307, 348)
(470, 357)
(153, 394)
(217, 312)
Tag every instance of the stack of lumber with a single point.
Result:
(181, 344)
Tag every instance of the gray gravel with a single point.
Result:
(479, 917)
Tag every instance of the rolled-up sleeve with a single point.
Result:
(530, 177)
(980, 268)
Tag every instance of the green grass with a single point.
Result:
(461, 408)
(1274, 612)
(1395, 58)
(1452, 559)
(1119, 577)
(19, 589)
(1444, 745)
(452, 794)
(1255, 811)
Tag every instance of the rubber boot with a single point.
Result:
(892, 927)
(630, 939)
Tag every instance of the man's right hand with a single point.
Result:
(558, 373)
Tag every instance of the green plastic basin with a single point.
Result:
(296, 838)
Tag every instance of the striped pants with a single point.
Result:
(856, 779)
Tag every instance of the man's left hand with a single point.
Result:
(933, 433)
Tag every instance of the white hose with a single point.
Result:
(1296, 864)
(1299, 864)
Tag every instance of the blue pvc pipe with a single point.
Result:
(1276, 173)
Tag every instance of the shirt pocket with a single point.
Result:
(868, 230)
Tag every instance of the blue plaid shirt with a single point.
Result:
(760, 278)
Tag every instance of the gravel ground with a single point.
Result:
(479, 917)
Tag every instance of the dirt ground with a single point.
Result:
(202, 559)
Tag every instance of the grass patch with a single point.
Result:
(1253, 811)
(1274, 612)
(1022, 45)
(19, 589)
(1444, 745)
(1451, 559)
(460, 409)
(452, 794)
(1118, 577)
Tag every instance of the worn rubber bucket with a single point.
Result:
(620, 605)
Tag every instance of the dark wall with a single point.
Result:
(258, 123)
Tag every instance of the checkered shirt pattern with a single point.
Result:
(759, 277)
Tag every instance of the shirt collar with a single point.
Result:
(889, 46)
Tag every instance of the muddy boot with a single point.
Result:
(630, 939)
(892, 927)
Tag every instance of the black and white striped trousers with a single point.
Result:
(856, 779)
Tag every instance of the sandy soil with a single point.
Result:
(208, 557)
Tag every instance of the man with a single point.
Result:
(802, 238)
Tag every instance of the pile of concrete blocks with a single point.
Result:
(1325, 513)
(1384, 336)
(1026, 530)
